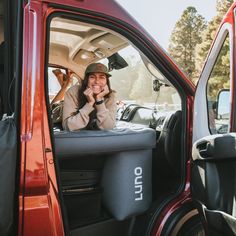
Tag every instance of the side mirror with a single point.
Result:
(223, 104)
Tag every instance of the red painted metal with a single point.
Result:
(231, 19)
(185, 196)
(39, 208)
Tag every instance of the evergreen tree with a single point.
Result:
(208, 35)
(184, 38)
(220, 75)
(222, 6)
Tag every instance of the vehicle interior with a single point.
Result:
(114, 181)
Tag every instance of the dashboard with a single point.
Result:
(136, 116)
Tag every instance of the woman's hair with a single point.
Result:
(82, 98)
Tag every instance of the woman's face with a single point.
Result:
(97, 82)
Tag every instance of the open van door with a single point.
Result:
(214, 137)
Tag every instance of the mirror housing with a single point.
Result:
(116, 62)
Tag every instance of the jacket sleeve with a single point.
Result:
(80, 120)
(106, 113)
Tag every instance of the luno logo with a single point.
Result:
(138, 184)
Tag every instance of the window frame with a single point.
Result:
(200, 120)
(220, 46)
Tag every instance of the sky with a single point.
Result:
(158, 17)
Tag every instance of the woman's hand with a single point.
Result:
(89, 95)
(104, 92)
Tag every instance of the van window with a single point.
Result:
(219, 80)
(132, 82)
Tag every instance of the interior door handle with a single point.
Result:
(217, 147)
(205, 149)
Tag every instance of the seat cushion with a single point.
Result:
(72, 144)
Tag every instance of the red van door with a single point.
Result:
(61, 185)
(213, 153)
(71, 35)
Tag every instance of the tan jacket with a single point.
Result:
(106, 112)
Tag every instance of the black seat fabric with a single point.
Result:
(8, 143)
(213, 181)
(126, 171)
(172, 143)
(2, 77)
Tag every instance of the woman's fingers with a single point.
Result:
(103, 93)
(106, 90)
(89, 95)
(88, 91)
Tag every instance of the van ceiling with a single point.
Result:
(74, 44)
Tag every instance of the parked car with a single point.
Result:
(167, 168)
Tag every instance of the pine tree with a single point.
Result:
(184, 38)
(208, 35)
(222, 6)
(220, 75)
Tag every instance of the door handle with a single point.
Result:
(205, 149)
(217, 147)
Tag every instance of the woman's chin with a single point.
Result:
(96, 92)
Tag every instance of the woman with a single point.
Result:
(91, 106)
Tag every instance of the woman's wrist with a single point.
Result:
(98, 98)
(91, 103)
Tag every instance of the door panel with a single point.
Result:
(214, 181)
(213, 173)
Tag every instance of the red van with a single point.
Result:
(167, 168)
